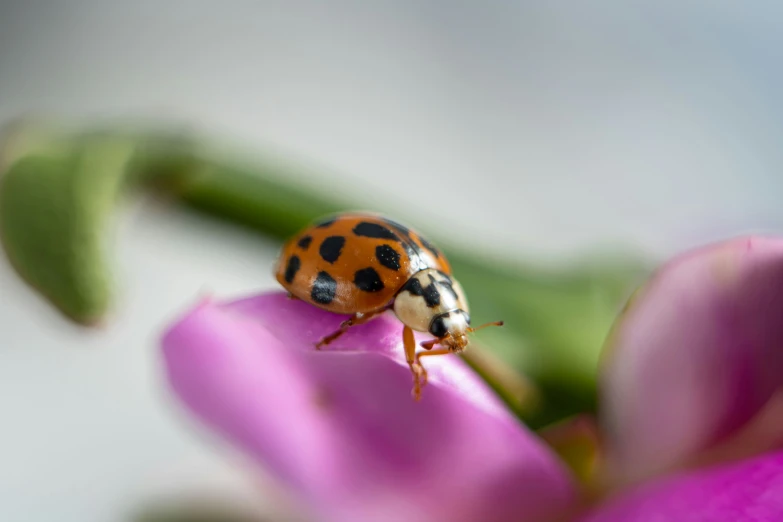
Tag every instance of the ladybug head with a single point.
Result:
(452, 329)
(434, 302)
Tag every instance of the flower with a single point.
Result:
(340, 427)
(687, 411)
(696, 358)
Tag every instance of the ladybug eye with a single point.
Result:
(438, 327)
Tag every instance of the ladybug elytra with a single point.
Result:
(365, 264)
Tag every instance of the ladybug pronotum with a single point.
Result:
(364, 264)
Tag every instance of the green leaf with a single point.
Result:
(55, 203)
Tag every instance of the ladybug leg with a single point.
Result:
(419, 375)
(337, 333)
(291, 296)
(427, 345)
(417, 361)
(353, 321)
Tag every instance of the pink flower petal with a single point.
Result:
(747, 491)
(340, 428)
(695, 357)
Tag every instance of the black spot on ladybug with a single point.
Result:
(291, 268)
(414, 287)
(324, 288)
(388, 257)
(374, 230)
(368, 280)
(429, 246)
(412, 249)
(448, 286)
(304, 243)
(331, 248)
(431, 296)
(446, 283)
(326, 223)
(438, 326)
(429, 293)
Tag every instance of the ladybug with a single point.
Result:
(364, 264)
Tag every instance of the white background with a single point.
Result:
(533, 130)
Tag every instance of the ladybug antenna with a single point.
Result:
(496, 323)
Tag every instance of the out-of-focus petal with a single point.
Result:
(745, 491)
(339, 426)
(695, 357)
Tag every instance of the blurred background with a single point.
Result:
(527, 130)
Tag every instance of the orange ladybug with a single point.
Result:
(365, 264)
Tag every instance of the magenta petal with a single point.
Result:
(340, 428)
(696, 356)
(749, 491)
